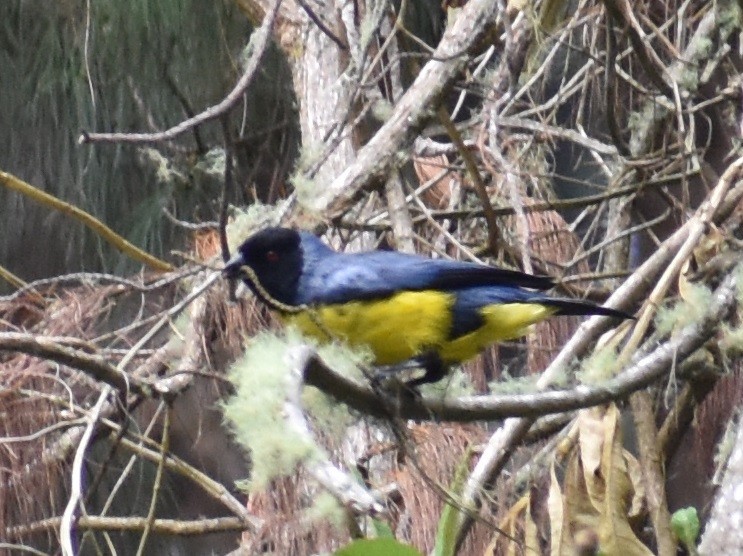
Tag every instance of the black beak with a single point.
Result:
(232, 267)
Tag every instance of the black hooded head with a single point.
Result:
(275, 257)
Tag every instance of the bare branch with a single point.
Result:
(55, 350)
(159, 526)
(259, 41)
(411, 112)
(65, 526)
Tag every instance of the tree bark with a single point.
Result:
(724, 534)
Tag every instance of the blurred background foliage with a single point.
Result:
(77, 65)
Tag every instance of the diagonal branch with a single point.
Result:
(411, 113)
(55, 349)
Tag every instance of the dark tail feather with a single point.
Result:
(577, 307)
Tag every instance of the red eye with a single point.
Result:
(272, 256)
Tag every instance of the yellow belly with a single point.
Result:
(410, 323)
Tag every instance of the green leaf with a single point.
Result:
(377, 547)
(446, 532)
(685, 525)
(382, 529)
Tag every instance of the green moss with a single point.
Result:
(689, 79)
(731, 339)
(212, 163)
(255, 411)
(382, 110)
(305, 188)
(562, 377)
(729, 16)
(697, 299)
(508, 384)
(307, 157)
(326, 508)
(601, 366)
(165, 172)
(344, 359)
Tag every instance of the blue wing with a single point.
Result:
(331, 277)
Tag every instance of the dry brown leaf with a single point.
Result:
(561, 542)
(591, 442)
(519, 525)
(428, 168)
(637, 507)
(711, 244)
(581, 513)
(601, 491)
(615, 531)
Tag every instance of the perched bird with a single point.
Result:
(404, 307)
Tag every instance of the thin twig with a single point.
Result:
(76, 488)
(213, 488)
(130, 464)
(174, 527)
(621, 10)
(321, 25)
(99, 228)
(164, 447)
(97, 278)
(21, 548)
(474, 173)
(259, 41)
(227, 188)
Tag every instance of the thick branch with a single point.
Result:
(54, 349)
(411, 113)
(722, 535)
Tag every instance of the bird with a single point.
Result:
(406, 309)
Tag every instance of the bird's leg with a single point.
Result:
(434, 367)
(429, 361)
